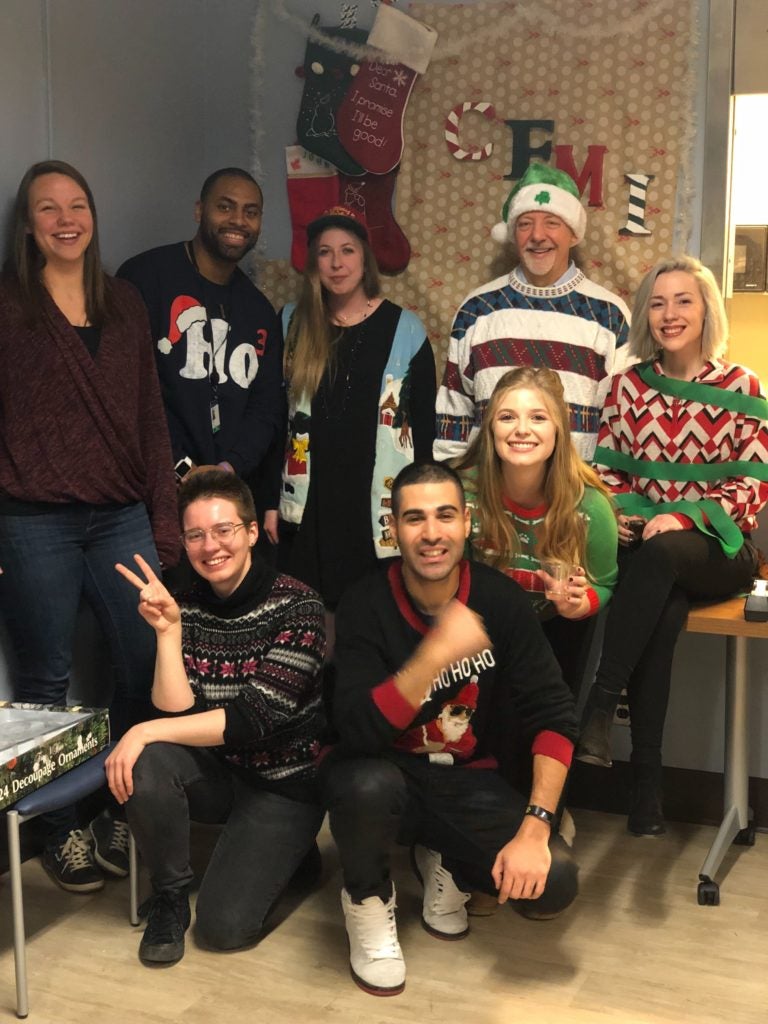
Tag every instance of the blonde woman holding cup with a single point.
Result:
(541, 514)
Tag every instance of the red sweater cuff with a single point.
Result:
(552, 744)
(685, 521)
(594, 605)
(392, 704)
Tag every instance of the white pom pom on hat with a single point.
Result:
(542, 188)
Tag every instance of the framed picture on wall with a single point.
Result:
(749, 258)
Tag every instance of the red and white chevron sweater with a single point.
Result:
(641, 422)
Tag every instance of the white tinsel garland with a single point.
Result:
(551, 20)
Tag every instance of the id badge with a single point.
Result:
(215, 417)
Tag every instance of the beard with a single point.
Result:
(452, 727)
(539, 266)
(214, 244)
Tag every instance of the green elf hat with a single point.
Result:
(542, 188)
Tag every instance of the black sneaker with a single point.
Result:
(168, 918)
(71, 865)
(110, 844)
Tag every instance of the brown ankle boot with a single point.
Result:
(594, 746)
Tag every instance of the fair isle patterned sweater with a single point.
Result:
(667, 448)
(576, 328)
(258, 654)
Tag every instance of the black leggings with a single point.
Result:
(657, 581)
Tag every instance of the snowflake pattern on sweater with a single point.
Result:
(258, 655)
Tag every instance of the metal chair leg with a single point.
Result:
(133, 880)
(19, 937)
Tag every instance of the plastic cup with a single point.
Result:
(559, 571)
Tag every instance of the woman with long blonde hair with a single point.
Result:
(539, 512)
(361, 392)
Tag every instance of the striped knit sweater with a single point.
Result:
(258, 654)
(642, 423)
(576, 328)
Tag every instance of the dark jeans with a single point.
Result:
(49, 563)
(657, 581)
(465, 814)
(264, 839)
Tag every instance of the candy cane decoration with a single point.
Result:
(638, 191)
(452, 130)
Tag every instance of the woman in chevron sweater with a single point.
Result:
(683, 446)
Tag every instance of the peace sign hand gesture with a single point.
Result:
(156, 605)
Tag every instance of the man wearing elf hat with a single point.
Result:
(544, 313)
(218, 341)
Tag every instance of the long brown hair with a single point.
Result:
(310, 342)
(26, 262)
(563, 536)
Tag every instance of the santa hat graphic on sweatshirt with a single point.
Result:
(185, 311)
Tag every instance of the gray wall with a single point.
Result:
(146, 98)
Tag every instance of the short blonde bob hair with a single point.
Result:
(714, 336)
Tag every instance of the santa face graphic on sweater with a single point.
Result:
(450, 732)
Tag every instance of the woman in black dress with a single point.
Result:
(361, 383)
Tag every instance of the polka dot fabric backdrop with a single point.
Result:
(616, 73)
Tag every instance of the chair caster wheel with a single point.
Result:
(746, 837)
(709, 894)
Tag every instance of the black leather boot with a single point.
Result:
(646, 817)
(594, 746)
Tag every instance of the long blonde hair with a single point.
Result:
(563, 536)
(311, 337)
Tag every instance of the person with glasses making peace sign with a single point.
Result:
(237, 692)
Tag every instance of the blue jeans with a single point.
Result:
(264, 839)
(49, 562)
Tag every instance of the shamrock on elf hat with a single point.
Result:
(542, 188)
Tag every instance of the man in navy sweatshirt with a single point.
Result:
(427, 655)
(218, 341)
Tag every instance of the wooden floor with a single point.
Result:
(635, 947)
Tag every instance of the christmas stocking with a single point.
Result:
(371, 195)
(370, 117)
(313, 187)
(327, 76)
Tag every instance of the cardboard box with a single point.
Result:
(39, 742)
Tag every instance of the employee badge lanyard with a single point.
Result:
(213, 373)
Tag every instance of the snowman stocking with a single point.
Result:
(327, 76)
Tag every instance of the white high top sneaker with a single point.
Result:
(375, 957)
(444, 912)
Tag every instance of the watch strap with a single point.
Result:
(540, 812)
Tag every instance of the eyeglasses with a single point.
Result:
(221, 532)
